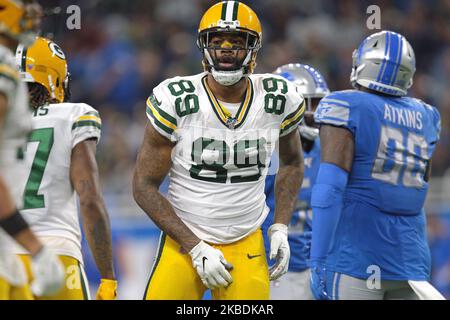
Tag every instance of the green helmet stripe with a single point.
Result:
(235, 10)
(224, 10)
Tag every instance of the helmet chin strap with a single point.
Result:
(52, 87)
(225, 77)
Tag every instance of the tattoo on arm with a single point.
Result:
(289, 177)
(95, 219)
(153, 164)
(98, 235)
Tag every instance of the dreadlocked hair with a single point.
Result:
(39, 95)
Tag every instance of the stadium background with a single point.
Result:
(125, 48)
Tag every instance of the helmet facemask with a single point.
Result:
(223, 53)
(67, 88)
(309, 129)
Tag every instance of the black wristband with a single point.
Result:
(14, 224)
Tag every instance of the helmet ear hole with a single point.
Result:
(375, 44)
(57, 82)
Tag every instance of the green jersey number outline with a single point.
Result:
(45, 138)
(274, 103)
(241, 159)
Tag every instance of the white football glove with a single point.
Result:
(211, 266)
(279, 249)
(48, 272)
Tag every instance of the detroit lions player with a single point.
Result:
(369, 239)
(295, 284)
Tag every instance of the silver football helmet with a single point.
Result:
(384, 62)
(311, 84)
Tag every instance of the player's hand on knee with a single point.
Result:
(48, 272)
(107, 290)
(211, 266)
(279, 250)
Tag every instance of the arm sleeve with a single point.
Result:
(295, 109)
(87, 124)
(160, 112)
(326, 202)
(337, 111)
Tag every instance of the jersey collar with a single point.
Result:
(223, 114)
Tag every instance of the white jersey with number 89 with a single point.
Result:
(220, 160)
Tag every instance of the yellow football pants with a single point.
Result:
(174, 277)
(9, 292)
(75, 286)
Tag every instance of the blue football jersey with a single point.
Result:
(299, 235)
(383, 223)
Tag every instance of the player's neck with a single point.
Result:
(230, 94)
(8, 42)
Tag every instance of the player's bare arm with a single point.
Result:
(153, 164)
(337, 146)
(6, 203)
(289, 177)
(7, 208)
(428, 171)
(95, 220)
(287, 185)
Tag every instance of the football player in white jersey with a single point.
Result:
(214, 134)
(61, 164)
(18, 21)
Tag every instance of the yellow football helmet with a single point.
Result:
(20, 19)
(45, 63)
(229, 17)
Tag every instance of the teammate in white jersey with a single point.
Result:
(17, 23)
(61, 163)
(214, 133)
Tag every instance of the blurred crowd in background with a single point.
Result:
(125, 48)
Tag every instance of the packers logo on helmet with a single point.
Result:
(57, 51)
(231, 18)
(19, 19)
(45, 63)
